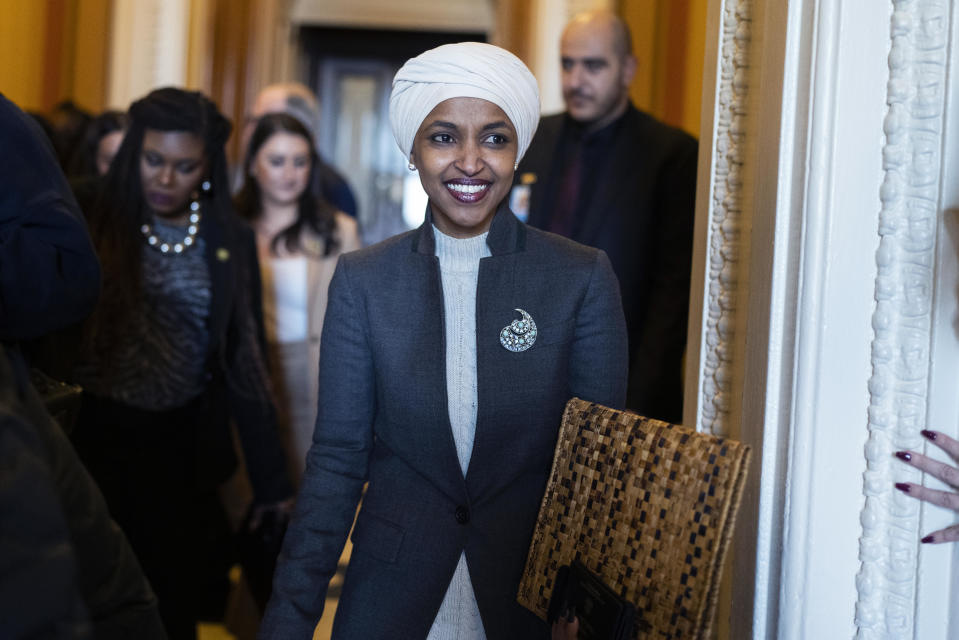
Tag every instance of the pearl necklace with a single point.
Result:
(177, 247)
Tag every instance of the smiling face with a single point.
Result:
(281, 167)
(172, 165)
(595, 74)
(465, 151)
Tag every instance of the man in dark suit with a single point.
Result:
(610, 176)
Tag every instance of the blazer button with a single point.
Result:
(462, 514)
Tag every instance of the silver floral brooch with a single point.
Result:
(520, 334)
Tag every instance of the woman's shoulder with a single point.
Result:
(346, 232)
(226, 227)
(384, 254)
(546, 246)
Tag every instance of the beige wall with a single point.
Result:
(87, 84)
(22, 37)
(669, 38)
(62, 50)
(54, 50)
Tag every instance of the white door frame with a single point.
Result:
(825, 131)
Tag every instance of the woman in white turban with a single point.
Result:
(448, 355)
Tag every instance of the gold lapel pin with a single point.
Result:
(222, 254)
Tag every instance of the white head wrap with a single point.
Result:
(463, 70)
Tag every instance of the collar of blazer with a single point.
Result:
(506, 233)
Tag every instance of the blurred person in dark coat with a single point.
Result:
(66, 570)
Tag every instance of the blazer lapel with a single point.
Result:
(219, 261)
(431, 343)
(496, 283)
(506, 239)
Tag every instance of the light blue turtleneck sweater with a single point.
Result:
(459, 617)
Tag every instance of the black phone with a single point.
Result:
(603, 614)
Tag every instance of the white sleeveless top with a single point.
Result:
(285, 299)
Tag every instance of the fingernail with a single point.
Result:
(904, 455)
(902, 486)
(927, 540)
(928, 434)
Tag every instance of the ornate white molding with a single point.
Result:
(724, 235)
(902, 322)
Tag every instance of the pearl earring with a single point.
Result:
(516, 165)
(411, 166)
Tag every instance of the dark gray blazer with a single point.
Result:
(383, 418)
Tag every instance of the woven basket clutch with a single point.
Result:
(648, 507)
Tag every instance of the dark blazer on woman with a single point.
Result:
(383, 419)
(237, 389)
(239, 385)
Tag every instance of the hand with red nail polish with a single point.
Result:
(945, 472)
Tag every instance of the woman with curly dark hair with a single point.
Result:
(299, 239)
(174, 348)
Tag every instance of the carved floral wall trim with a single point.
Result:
(726, 218)
(902, 321)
